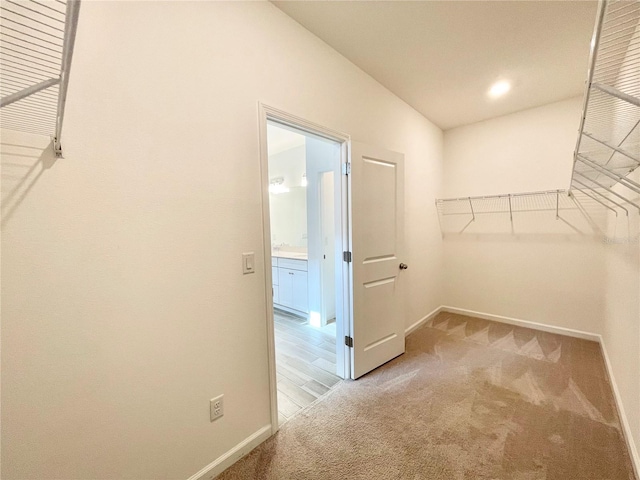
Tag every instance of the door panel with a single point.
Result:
(377, 181)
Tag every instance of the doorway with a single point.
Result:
(305, 212)
(367, 186)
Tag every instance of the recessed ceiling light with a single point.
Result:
(499, 88)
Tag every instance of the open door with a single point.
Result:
(377, 196)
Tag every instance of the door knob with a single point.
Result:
(403, 266)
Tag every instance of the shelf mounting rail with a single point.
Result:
(608, 145)
(37, 38)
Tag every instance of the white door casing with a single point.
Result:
(377, 195)
(343, 272)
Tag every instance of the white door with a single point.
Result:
(377, 195)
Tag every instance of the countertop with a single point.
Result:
(292, 255)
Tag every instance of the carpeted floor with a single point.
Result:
(470, 399)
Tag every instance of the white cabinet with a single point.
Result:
(300, 295)
(290, 289)
(285, 287)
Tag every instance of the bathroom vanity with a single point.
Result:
(290, 285)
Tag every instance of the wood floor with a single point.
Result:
(305, 363)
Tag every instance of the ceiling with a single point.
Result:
(441, 57)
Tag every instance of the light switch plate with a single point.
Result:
(248, 263)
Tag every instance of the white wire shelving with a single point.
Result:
(555, 201)
(608, 146)
(36, 48)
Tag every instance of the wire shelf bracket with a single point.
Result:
(37, 40)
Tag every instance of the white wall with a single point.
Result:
(621, 329)
(288, 210)
(124, 306)
(522, 152)
(582, 272)
(621, 319)
(535, 268)
(322, 156)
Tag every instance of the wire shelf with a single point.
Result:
(608, 145)
(36, 47)
(543, 201)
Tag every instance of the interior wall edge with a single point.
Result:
(414, 326)
(626, 427)
(227, 459)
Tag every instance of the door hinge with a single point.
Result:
(346, 256)
(348, 341)
(346, 168)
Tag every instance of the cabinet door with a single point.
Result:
(276, 294)
(300, 291)
(285, 287)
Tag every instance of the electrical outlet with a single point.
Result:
(216, 407)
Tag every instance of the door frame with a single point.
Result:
(266, 113)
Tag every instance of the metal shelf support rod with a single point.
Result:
(617, 93)
(630, 184)
(626, 200)
(14, 97)
(596, 200)
(612, 147)
(472, 212)
(602, 195)
(70, 27)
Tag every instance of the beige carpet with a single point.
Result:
(470, 399)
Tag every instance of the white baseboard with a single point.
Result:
(422, 321)
(236, 453)
(633, 451)
(524, 323)
(232, 456)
